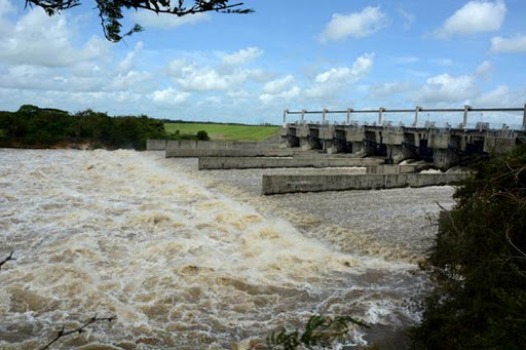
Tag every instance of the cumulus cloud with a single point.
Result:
(27, 43)
(484, 69)
(169, 96)
(151, 19)
(500, 96)
(330, 82)
(242, 56)
(128, 62)
(357, 25)
(389, 89)
(279, 85)
(285, 95)
(207, 79)
(475, 17)
(280, 89)
(514, 44)
(446, 88)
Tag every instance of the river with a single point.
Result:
(196, 260)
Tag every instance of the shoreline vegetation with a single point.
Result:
(34, 127)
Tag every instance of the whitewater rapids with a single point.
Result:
(188, 261)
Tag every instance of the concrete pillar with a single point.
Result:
(303, 116)
(380, 112)
(465, 120)
(285, 112)
(418, 108)
(349, 111)
(524, 118)
(324, 116)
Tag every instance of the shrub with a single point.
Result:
(478, 262)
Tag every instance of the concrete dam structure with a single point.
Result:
(444, 147)
(378, 148)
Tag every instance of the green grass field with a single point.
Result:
(229, 132)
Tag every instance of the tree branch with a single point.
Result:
(9, 258)
(63, 333)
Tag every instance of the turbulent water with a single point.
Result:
(194, 260)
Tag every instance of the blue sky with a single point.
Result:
(334, 54)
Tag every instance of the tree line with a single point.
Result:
(34, 127)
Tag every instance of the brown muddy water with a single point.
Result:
(196, 260)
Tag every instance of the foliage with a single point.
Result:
(202, 135)
(34, 127)
(111, 12)
(320, 332)
(479, 263)
(230, 132)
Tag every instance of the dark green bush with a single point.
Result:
(479, 263)
(202, 135)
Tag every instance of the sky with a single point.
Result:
(295, 55)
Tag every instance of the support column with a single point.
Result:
(285, 112)
(380, 112)
(323, 117)
(524, 118)
(303, 116)
(465, 120)
(349, 111)
(418, 109)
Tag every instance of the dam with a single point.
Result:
(390, 155)
(444, 146)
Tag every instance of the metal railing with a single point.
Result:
(417, 112)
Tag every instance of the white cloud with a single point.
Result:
(151, 19)
(128, 62)
(475, 17)
(408, 18)
(283, 89)
(279, 85)
(285, 95)
(358, 24)
(28, 43)
(445, 88)
(169, 96)
(484, 69)
(335, 75)
(500, 96)
(131, 80)
(5, 7)
(206, 79)
(242, 56)
(331, 82)
(389, 89)
(513, 44)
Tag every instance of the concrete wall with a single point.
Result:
(296, 162)
(156, 145)
(392, 169)
(194, 144)
(279, 184)
(228, 152)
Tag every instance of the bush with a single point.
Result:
(202, 135)
(479, 263)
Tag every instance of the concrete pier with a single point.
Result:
(188, 148)
(240, 152)
(281, 184)
(282, 162)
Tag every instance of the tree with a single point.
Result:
(479, 263)
(111, 11)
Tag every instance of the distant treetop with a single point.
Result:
(111, 11)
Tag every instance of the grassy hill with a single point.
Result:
(230, 132)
